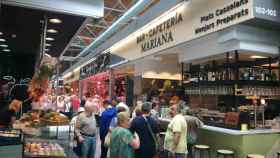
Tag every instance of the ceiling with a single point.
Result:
(92, 28)
(22, 29)
(113, 9)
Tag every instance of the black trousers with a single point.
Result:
(104, 149)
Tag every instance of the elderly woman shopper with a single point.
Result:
(123, 143)
(85, 131)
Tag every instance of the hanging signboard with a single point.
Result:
(267, 10)
(86, 8)
(96, 66)
(184, 22)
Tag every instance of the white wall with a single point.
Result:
(166, 68)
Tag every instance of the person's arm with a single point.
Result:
(176, 129)
(135, 143)
(77, 130)
(176, 139)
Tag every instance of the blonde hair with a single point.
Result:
(122, 117)
(15, 105)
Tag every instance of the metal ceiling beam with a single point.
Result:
(77, 46)
(121, 3)
(91, 32)
(97, 25)
(132, 12)
(74, 37)
(115, 10)
(67, 58)
(86, 37)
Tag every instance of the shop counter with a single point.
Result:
(257, 141)
(239, 132)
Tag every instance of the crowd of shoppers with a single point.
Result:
(109, 128)
(123, 135)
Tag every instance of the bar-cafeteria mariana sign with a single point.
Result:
(160, 34)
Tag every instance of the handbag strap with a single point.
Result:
(151, 131)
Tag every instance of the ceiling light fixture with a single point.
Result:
(6, 50)
(47, 50)
(49, 39)
(1, 33)
(2, 40)
(48, 45)
(55, 21)
(257, 57)
(4, 45)
(52, 31)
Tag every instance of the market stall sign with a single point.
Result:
(96, 66)
(187, 21)
(219, 19)
(87, 8)
(267, 10)
(160, 34)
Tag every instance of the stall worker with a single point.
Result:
(8, 115)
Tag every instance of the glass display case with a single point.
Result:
(11, 143)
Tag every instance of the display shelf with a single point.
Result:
(232, 82)
(43, 148)
(10, 137)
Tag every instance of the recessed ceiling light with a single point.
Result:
(52, 31)
(6, 50)
(49, 39)
(257, 57)
(48, 45)
(2, 40)
(55, 21)
(4, 45)
(1, 33)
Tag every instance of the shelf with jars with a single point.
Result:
(232, 76)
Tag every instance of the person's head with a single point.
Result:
(174, 110)
(123, 119)
(120, 109)
(138, 111)
(87, 95)
(174, 100)
(115, 101)
(90, 107)
(146, 108)
(5, 89)
(155, 106)
(15, 105)
(106, 103)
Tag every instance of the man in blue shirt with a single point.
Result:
(105, 119)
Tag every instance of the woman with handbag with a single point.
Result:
(148, 130)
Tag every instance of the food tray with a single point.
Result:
(54, 123)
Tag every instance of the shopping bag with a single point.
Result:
(107, 139)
